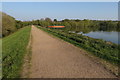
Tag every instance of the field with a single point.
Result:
(14, 49)
(100, 48)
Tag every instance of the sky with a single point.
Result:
(60, 0)
(61, 10)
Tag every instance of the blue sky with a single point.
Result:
(62, 10)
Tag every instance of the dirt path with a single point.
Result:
(54, 58)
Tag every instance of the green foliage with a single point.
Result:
(79, 25)
(75, 25)
(20, 24)
(14, 49)
(55, 20)
(105, 50)
(48, 20)
(8, 24)
(0, 57)
(118, 26)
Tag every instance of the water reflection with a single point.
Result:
(108, 36)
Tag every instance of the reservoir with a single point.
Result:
(113, 36)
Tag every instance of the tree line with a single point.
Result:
(10, 25)
(79, 25)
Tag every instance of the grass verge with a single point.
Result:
(13, 51)
(25, 72)
(0, 58)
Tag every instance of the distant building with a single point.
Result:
(56, 26)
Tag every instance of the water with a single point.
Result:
(113, 36)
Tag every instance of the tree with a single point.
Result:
(8, 24)
(65, 20)
(42, 19)
(55, 20)
(48, 20)
(118, 26)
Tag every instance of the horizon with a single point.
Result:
(28, 11)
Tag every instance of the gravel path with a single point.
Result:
(54, 58)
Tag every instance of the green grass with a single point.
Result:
(97, 47)
(13, 51)
(0, 58)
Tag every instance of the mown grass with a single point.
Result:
(100, 48)
(13, 51)
(0, 58)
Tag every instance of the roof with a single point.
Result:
(56, 26)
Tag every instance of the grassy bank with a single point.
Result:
(0, 58)
(100, 48)
(14, 49)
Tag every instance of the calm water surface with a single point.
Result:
(108, 36)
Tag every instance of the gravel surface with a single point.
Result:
(54, 58)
